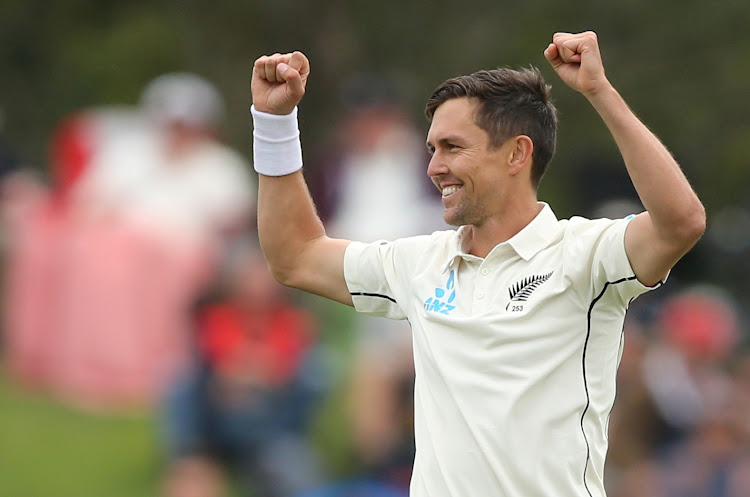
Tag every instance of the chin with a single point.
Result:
(452, 220)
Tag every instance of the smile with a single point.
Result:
(450, 190)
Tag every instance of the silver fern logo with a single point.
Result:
(521, 291)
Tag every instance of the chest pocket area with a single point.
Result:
(522, 293)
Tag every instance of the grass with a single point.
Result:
(49, 450)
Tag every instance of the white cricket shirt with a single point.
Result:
(515, 354)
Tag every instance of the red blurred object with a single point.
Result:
(703, 325)
(71, 151)
(268, 345)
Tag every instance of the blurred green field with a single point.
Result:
(48, 450)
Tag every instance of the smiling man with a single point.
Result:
(516, 316)
(479, 122)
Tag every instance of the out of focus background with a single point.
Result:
(145, 349)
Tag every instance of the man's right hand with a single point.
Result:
(279, 82)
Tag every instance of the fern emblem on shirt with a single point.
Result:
(521, 291)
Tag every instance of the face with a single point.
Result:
(463, 167)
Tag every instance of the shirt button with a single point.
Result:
(485, 271)
(480, 295)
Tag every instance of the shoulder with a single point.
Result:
(582, 230)
(418, 246)
(585, 243)
(583, 225)
(594, 251)
(403, 257)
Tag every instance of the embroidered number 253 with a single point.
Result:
(521, 291)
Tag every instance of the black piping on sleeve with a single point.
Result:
(366, 294)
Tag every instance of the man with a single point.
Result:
(516, 317)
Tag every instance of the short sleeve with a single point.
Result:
(372, 279)
(611, 266)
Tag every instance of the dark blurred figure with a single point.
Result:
(380, 410)
(241, 412)
(680, 427)
(8, 160)
(636, 429)
(374, 161)
(685, 368)
(688, 374)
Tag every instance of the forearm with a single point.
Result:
(675, 211)
(287, 222)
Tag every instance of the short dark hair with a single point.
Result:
(511, 103)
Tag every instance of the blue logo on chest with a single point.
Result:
(443, 298)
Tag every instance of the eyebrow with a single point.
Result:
(445, 140)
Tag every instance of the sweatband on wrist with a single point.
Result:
(276, 146)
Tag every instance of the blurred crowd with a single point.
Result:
(133, 282)
(681, 421)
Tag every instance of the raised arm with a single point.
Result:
(291, 234)
(675, 218)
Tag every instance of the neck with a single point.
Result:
(481, 239)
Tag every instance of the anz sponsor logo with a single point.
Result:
(442, 302)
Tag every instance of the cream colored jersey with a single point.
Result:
(515, 354)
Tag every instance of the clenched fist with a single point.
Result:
(576, 59)
(279, 81)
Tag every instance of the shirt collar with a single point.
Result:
(536, 235)
(526, 243)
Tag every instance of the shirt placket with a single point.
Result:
(482, 288)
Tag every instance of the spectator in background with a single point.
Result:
(679, 428)
(697, 331)
(243, 407)
(142, 203)
(375, 165)
(686, 374)
(177, 177)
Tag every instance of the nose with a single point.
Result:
(437, 165)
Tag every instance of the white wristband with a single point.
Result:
(276, 146)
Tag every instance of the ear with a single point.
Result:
(520, 154)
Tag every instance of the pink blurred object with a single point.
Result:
(31, 306)
(98, 312)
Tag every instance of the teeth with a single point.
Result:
(448, 190)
